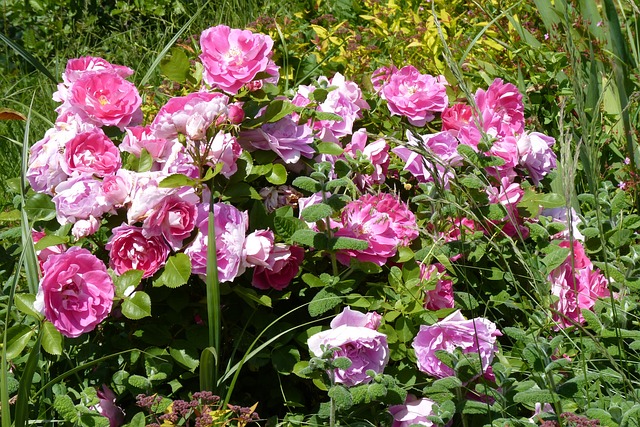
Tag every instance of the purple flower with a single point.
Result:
(414, 411)
(285, 137)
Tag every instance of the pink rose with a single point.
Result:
(366, 348)
(414, 411)
(283, 265)
(442, 295)
(414, 95)
(476, 337)
(108, 408)
(43, 254)
(116, 187)
(77, 67)
(350, 317)
(76, 292)
(456, 117)
(286, 138)
(80, 198)
(106, 99)
(92, 153)
(501, 108)
(535, 153)
(138, 138)
(258, 247)
(130, 249)
(174, 218)
(224, 148)
(85, 227)
(233, 57)
(381, 76)
(376, 153)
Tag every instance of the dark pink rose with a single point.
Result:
(108, 408)
(76, 292)
(442, 295)
(501, 108)
(174, 218)
(456, 117)
(130, 249)
(284, 264)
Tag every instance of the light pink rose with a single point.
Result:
(76, 292)
(85, 227)
(381, 77)
(283, 265)
(366, 348)
(117, 187)
(350, 317)
(285, 137)
(443, 149)
(569, 218)
(144, 194)
(230, 227)
(534, 150)
(476, 337)
(80, 197)
(414, 411)
(577, 285)
(106, 99)
(174, 218)
(43, 254)
(108, 408)
(414, 95)
(138, 138)
(501, 108)
(376, 153)
(233, 57)
(442, 295)
(257, 248)
(225, 149)
(130, 249)
(92, 153)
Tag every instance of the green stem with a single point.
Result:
(213, 291)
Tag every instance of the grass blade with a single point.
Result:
(28, 57)
(24, 389)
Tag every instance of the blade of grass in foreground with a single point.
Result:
(28, 57)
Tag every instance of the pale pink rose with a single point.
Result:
(350, 317)
(108, 408)
(456, 117)
(414, 411)
(85, 227)
(138, 138)
(76, 292)
(144, 194)
(117, 187)
(381, 76)
(105, 99)
(376, 153)
(225, 149)
(92, 153)
(174, 218)
(285, 137)
(476, 337)
(366, 348)
(535, 154)
(78, 198)
(43, 254)
(233, 57)
(257, 248)
(230, 228)
(501, 108)
(442, 295)
(190, 115)
(283, 265)
(178, 160)
(415, 96)
(577, 285)
(130, 249)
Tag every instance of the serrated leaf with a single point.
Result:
(321, 115)
(555, 258)
(316, 212)
(285, 227)
(330, 148)
(341, 243)
(313, 281)
(534, 396)
(620, 238)
(128, 279)
(278, 175)
(310, 238)
(175, 66)
(25, 302)
(307, 184)
(277, 110)
(139, 381)
(39, 207)
(324, 301)
(472, 181)
(341, 397)
(176, 180)
(335, 183)
(137, 306)
(176, 271)
(65, 408)
(51, 339)
(17, 339)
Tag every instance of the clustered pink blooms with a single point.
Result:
(288, 139)
(76, 292)
(475, 337)
(383, 221)
(441, 296)
(577, 284)
(354, 335)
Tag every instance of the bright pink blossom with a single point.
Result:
(476, 337)
(233, 57)
(174, 218)
(258, 247)
(501, 108)
(350, 317)
(140, 138)
(377, 155)
(130, 249)
(456, 117)
(283, 265)
(92, 153)
(415, 96)
(442, 295)
(286, 138)
(76, 292)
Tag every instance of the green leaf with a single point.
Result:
(128, 280)
(534, 396)
(313, 281)
(39, 207)
(65, 408)
(278, 175)
(175, 66)
(137, 306)
(208, 361)
(17, 339)
(185, 356)
(138, 420)
(339, 243)
(324, 301)
(51, 339)
(472, 181)
(176, 271)
(330, 148)
(285, 227)
(138, 381)
(553, 259)
(316, 212)
(145, 162)
(277, 110)
(251, 296)
(405, 254)
(310, 238)
(25, 302)
(321, 115)
(50, 240)
(284, 359)
(341, 397)
(307, 184)
(620, 238)
(176, 180)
